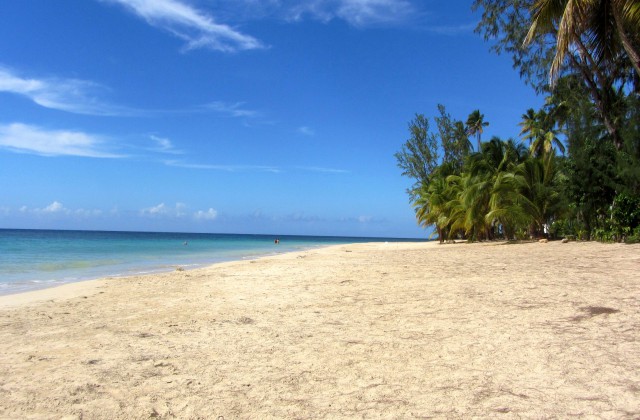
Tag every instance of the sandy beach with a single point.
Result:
(395, 330)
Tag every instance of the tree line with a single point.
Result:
(575, 169)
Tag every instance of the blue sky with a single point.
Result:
(232, 116)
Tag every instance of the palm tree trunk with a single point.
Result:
(599, 95)
(633, 54)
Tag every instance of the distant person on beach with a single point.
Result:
(277, 241)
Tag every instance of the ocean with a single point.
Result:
(36, 259)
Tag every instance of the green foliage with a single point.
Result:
(475, 126)
(505, 23)
(625, 217)
(634, 237)
(591, 182)
(419, 156)
(500, 192)
(592, 42)
(454, 139)
(591, 116)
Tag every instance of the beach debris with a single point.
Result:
(543, 241)
(245, 320)
(179, 268)
(599, 310)
(565, 240)
(591, 311)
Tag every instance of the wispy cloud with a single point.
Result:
(210, 214)
(323, 170)
(162, 210)
(226, 168)
(306, 131)
(180, 210)
(57, 209)
(235, 110)
(196, 27)
(164, 145)
(453, 29)
(70, 95)
(363, 219)
(359, 13)
(23, 138)
(85, 97)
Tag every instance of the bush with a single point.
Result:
(625, 216)
(634, 238)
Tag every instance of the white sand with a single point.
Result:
(372, 330)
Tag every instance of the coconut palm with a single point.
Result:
(538, 179)
(430, 207)
(509, 207)
(599, 29)
(432, 203)
(475, 126)
(474, 188)
(539, 129)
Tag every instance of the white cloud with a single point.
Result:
(226, 168)
(358, 13)
(162, 210)
(233, 110)
(323, 170)
(210, 214)
(88, 213)
(55, 207)
(70, 95)
(23, 138)
(181, 210)
(159, 210)
(367, 12)
(306, 131)
(454, 29)
(164, 145)
(196, 27)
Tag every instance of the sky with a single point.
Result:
(233, 116)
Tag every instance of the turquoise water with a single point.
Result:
(34, 259)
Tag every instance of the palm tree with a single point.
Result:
(473, 189)
(430, 207)
(432, 203)
(539, 179)
(538, 128)
(529, 125)
(601, 29)
(509, 207)
(475, 125)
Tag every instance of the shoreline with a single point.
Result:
(27, 269)
(90, 286)
(391, 330)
